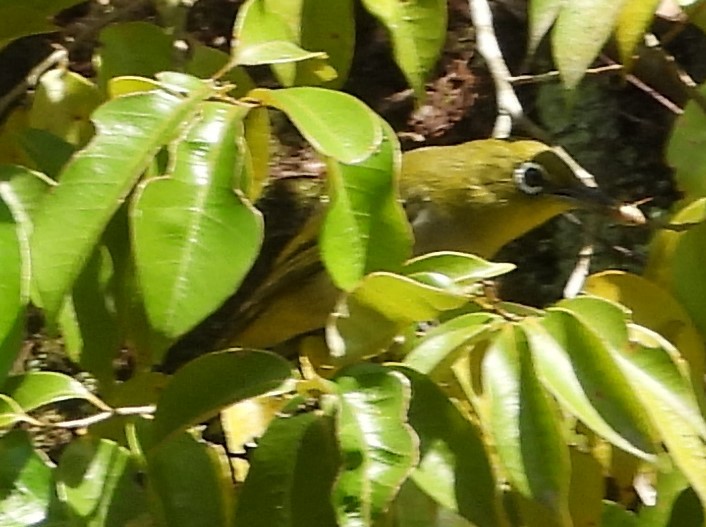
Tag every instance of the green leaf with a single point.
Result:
(35, 389)
(586, 490)
(580, 370)
(677, 503)
(130, 132)
(205, 62)
(367, 320)
(204, 386)
(457, 268)
(615, 515)
(14, 271)
(656, 309)
(418, 32)
(541, 16)
(11, 413)
(191, 483)
(365, 228)
(29, 17)
(291, 473)
(378, 447)
(26, 487)
(634, 20)
(262, 36)
(688, 276)
(686, 150)
(581, 30)
(525, 425)
(443, 345)
(194, 238)
(98, 483)
(652, 368)
(62, 104)
(335, 123)
(133, 48)
(454, 467)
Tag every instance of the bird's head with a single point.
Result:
(478, 196)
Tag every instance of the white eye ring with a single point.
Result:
(534, 184)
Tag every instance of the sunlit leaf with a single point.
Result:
(195, 238)
(378, 447)
(633, 22)
(525, 425)
(26, 486)
(541, 16)
(335, 123)
(35, 389)
(365, 229)
(130, 132)
(581, 30)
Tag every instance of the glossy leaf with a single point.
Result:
(191, 483)
(98, 482)
(581, 30)
(454, 467)
(291, 475)
(336, 124)
(634, 20)
(262, 36)
(194, 238)
(130, 132)
(525, 425)
(686, 151)
(418, 31)
(652, 367)
(378, 447)
(541, 16)
(365, 228)
(62, 105)
(26, 486)
(133, 48)
(459, 268)
(367, 320)
(205, 385)
(441, 346)
(35, 389)
(205, 61)
(581, 371)
(652, 307)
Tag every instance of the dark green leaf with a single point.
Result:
(454, 467)
(35, 389)
(204, 386)
(291, 474)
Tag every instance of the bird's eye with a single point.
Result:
(530, 178)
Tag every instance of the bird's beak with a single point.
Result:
(593, 198)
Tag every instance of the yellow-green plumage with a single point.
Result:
(462, 198)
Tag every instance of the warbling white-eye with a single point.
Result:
(473, 197)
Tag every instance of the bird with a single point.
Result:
(473, 197)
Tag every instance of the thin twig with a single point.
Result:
(97, 418)
(554, 75)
